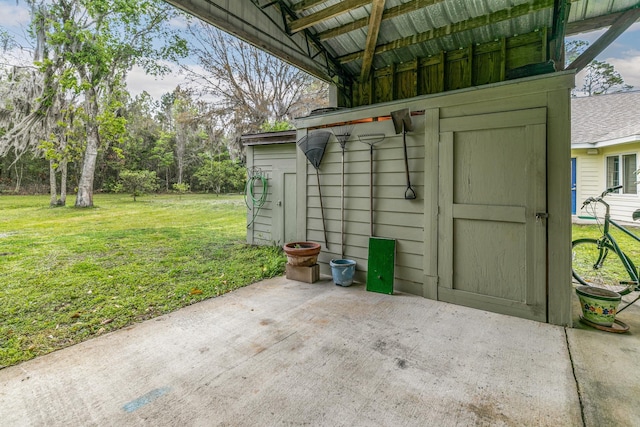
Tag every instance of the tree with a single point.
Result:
(276, 126)
(250, 86)
(162, 154)
(138, 183)
(186, 118)
(220, 174)
(600, 77)
(60, 148)
(35, 123)
(87, 47)
(145, 144)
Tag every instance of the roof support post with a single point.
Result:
(560, 17)
(618, 27)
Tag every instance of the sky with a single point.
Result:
(623, 53)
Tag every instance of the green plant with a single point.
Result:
(138, 183)
(181, 188)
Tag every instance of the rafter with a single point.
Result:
(388, 14)
(306, 4)
(377, 7)
(469, 24)
(592, 24)
(328, 13)
(623, 22)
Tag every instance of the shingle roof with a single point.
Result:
(603, 118)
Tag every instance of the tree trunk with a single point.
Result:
(180, 151)
(84, 198)
(180, 169)
(18, 178)
(53, 192)
(63, 183)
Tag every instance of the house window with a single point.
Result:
(621, 170)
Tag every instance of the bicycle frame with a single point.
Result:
(625, 259)
(607, 237)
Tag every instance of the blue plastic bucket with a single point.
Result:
(342, 271)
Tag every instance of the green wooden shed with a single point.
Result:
(488, 151)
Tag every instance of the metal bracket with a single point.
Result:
(540, 216)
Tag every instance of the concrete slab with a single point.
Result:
(604, 364)
(283, 352)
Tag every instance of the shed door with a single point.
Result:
(290, 230)
(283, 211)
(492, 203)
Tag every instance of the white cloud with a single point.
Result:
(178, 23)
(138, 81)
(628, 67)
(14, 15)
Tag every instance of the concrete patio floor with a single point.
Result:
(281, 352)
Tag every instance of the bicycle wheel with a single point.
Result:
(600, 266)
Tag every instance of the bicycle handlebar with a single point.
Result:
(611, 190)
(599, 199)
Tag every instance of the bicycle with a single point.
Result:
(601, 262)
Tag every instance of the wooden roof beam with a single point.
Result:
(469, 24)
(377, 7)
(387, 14)
(325, 14)
(560, 18)
(306, 4)
(592, 24)
(623, 22)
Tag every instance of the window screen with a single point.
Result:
(621, 169)
(629, 169)
(613, 171)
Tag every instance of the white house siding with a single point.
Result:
(589, 176)
(269, 159)
(591, 180)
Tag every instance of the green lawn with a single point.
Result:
(70, 274)
(628, 245)
(614, 269)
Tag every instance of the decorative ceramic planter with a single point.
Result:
(598, 305)
(302, 254)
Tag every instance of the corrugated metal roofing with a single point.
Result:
(442, 14)
(455, 23)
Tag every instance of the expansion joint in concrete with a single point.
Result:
(575, 378)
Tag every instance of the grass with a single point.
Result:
(67, 274)
(629, 246)
(611, 271)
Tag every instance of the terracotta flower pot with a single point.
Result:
(302, 253)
